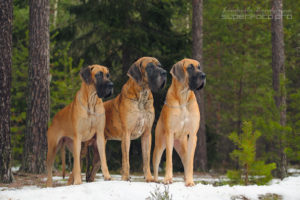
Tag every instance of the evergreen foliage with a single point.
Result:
(251, 170)
(236, 54)
(19, 78)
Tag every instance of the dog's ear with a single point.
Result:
(85, 75)
(178, 72)
(135, 73)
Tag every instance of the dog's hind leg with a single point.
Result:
(52, 148)
(63, 160)
(91, 173)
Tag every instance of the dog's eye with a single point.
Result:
(150, 65)
(199, 67)
(190, 67)
(99, 75)
(107, 75)
(150, 68)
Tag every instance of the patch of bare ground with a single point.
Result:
(239, 197)
(25, 179)
(270, 196)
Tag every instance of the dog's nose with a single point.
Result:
(163, 73)
(110, 84)
(203, 76)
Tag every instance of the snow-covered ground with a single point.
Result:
(289, 189)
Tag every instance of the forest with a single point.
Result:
(250, 109)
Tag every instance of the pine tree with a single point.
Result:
(251, 170)
(197, 46)
(279, 77)
(6, 10)
(38, 88)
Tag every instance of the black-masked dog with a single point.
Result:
(179, 120)
(131, 114)
(81, 120)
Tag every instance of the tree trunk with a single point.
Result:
(38, 88)
(6, 9)
(55, 10)
(279, 74)
(197, 34)
(126, 62)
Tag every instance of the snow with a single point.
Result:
(15, 169)
(289, 188)
(294, 171)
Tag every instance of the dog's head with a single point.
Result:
(188, 72)
(98, 76)
(147, 71)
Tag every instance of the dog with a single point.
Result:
(179, 120)
(81, 120)
(130, 115)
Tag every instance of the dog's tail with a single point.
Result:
(63, 160)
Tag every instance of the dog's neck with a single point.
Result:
(180, 92)
(133, 91)
(89, 97)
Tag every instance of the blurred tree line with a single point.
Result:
(237, 56)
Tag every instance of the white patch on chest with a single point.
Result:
(184, 121)
(183, 124)
(184, 117)
(139, 127)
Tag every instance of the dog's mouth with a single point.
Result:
(109, 93)
(104, 89)
(163, 84)
(104, 93)
(156, 87)
(99, 94)
(200, 87)
(196, 83)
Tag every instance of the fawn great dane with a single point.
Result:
(81, 120)
(179, 120)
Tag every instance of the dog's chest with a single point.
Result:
(184, 122)
(90, 125)
(139, 122)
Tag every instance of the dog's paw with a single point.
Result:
(189, 183)
(108, 178)
(77, 182)
(168, 180)
(155, 179)
(149, 179)
(125, 178)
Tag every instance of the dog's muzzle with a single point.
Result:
(158, 79)
(197, 81)
(104, 89)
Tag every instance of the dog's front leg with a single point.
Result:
(125, 155)
(101, 149)
(146, 149)
(76, 169)
(169, 150)
(192, 141)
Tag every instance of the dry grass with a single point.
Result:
(25, 179)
